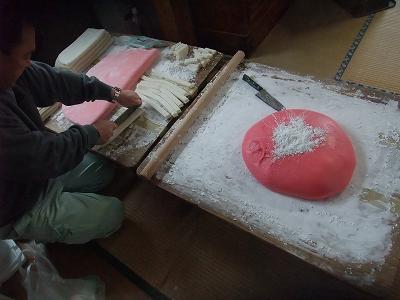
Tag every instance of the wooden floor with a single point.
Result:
(311, 38)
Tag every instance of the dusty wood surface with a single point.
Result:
(131, 146)
(349, 272)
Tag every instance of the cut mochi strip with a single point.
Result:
(164, 98)
(178, 91)
(166, 92)
(183, 83)
(154, 104)
(180, 50)
(173, 110)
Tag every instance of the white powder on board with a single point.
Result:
(173, 69)
(141, 137)
(210, 170)
(296, 137)
(168, 66)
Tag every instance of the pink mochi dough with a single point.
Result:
(314, 175)
(122, 69)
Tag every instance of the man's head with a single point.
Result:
(17, 40)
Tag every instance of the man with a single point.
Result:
(48, 181)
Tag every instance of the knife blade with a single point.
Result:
(263, 94)
(122, 114)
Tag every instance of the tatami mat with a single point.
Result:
(311, 39)
(376, 61)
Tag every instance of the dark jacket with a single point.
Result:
(29, 154)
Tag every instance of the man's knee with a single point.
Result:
(100, 171)
(112, 216)
(101, 221)
(80, 218)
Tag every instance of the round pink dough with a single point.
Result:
(318, 174)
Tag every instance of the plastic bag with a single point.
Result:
(11, 259)
(42, 281)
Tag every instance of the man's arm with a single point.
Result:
(48, 85)
(40, 155)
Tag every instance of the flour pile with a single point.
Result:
(296, 137)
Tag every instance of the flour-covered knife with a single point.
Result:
(263, 94)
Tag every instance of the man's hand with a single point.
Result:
(129, 98)
(105, 129)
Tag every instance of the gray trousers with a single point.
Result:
(69, 210)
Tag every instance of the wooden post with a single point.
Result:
(175, 21)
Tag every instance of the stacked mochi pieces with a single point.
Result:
(84, 50)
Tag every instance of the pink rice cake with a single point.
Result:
(122, 69)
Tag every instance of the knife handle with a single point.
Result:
(252, 82)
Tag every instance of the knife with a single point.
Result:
(263, 94)
(122, 114)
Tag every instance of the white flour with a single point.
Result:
(296, 137)
(141, 137)
(138, 139)
(210, 170)
(174, 70)
(167, 65)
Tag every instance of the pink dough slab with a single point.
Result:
(122, 69)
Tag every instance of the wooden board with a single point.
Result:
(130, 147)
(374, 275)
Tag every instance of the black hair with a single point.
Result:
(14, 15)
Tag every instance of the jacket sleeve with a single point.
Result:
(40, 155)
(48, 85)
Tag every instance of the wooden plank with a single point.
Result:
(372, 276)
(175, 21)
(166, 16)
